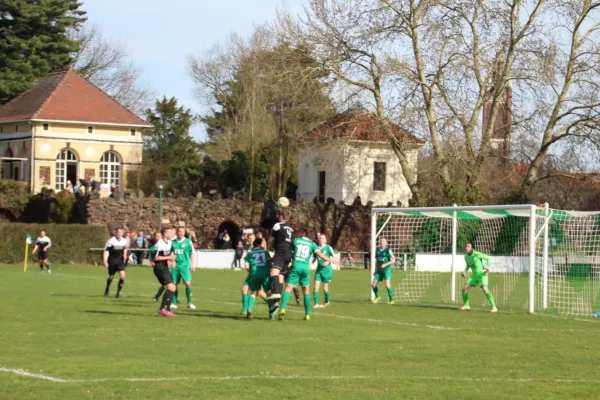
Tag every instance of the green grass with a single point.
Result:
(60, 325)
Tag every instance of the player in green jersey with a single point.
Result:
(246, 284)
(324, 271)
(258, 261)
(184, 266)
(474, 261)
(385, 259)
(303, 250)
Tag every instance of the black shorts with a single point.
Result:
(114, 268)
(42, 255)
(281, 261)
(163, 275)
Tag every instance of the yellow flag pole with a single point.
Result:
(26, 254)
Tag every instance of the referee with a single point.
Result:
(42, 244)
(113, 257)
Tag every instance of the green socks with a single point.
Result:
(490, 298)
(376, 291)
(285, 297)
(316, 297)
(159, 293)
(270, 302)
(251, 301)
(244, 302)
(466, 298)
(307, 303)
(390, 294)
(326, 297)
(175, 295)
(188, 294)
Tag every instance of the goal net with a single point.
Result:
(542, 259)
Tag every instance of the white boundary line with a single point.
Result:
(25, 373)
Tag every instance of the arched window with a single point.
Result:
(66, 169)
(110, 168)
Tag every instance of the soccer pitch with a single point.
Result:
(62, 339)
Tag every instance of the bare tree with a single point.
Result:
(351, 39)
(106, 65)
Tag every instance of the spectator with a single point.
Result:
(226, 241)
(151, 240)
(69, 187)
(129, 242)
(140, 243)
(239, 254)
(245, 241)
(194, 239)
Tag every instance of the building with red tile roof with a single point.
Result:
(350, 155)
(66, 129)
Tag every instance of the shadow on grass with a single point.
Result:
(77, 295)
(149, 313)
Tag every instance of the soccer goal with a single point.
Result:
(542, 259)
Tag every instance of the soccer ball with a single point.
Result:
(284, 202)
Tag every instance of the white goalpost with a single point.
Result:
(542, 259)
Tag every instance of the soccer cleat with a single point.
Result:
(307, 317)
(243, 312)
(174, 306)
(391, 302)
(494, 310)
(49, 272)
(271, 318)
(42, 271)
(324, 305)
(191, 306)
(117, 296)
(249, 314)
(464, 308)
(298, 302)
(376, 300)
(273, 307)
(166, 313)
(106, 292)
(281, 315)
(274, 296)
(317, 306)
(160, 311)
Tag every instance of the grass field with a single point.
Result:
(61, 339)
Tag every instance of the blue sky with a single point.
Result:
(160, 34)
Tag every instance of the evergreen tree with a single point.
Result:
(170, 152)
(34, 41)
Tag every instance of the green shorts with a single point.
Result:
(478, 280)
(301, 275)
(257, 281)
(267, 285)
(324, 274)
(181, 274)
(384, 274)
(248, 279)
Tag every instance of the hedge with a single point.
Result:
(70, 243)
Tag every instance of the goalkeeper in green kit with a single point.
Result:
(479, 276)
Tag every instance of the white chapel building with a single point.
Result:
(349, 156)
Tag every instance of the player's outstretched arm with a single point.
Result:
(324, 257)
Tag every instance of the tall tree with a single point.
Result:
(170, 152)
(263, 92)
(34, 41)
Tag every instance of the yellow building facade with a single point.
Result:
(66, 129)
